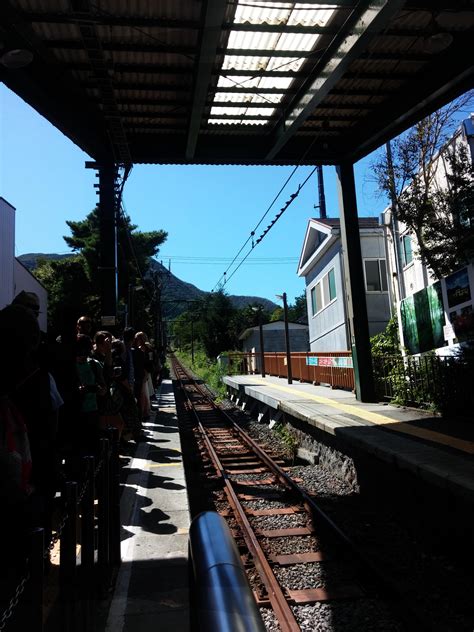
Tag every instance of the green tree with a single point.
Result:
(439, 214)
(70, 291)
(73, 283)
(134, 249)
(215, 331)
(296, 310)
(247, 317)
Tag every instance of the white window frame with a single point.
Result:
(323, 282)
(381, 291)
(404, 256)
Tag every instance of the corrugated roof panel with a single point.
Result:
(178, 9)
(148, 35)
(310, 17)
(282, 13)
(50, 30)
(281, 83)
(278, 63)
(59, 6)
(144, 57)
(296, 41)
(247, 96)
(245, 63)
(219, 111)
(271, 13)
(252, 41)
(239, 80)
(235, 122)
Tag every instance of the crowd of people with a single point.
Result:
(55, 398)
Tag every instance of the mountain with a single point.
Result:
(176, 294)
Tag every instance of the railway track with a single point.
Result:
(282, 533)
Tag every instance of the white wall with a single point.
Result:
(7, 252)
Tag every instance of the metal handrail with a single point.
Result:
(224, 599)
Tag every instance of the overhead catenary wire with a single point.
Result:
(293, 197)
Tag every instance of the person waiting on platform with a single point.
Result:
(91, 385)
(84, 326)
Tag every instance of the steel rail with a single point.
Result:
(279, 603)
(367, 567)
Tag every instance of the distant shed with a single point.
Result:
(274, 337)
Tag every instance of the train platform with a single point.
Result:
(151, 591)
(438, 450)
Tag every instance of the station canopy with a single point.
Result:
(235, 81)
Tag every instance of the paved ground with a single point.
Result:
(152, 587)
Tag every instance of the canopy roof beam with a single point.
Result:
(214, 16)
(370, 20)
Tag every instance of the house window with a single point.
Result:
(314, 302)
(324, 292)
(375, 275)
(332, 284)
(407, 252)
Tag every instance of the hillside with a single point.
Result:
(176, 293)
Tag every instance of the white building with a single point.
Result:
(432, 314)
(14, 277)
(321, 264)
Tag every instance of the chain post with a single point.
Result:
(36, 584)
(87, 524)
(68, 538)
(115, 552)
(104, 516)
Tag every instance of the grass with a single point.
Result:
(208, 370)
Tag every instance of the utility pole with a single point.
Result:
(192, 342)
(322, 197)
(395, 227)
(287, 337)
(262, 349)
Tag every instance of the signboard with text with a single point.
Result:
(338, 363)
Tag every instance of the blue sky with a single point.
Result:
(207, 211)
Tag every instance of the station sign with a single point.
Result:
(337, 363)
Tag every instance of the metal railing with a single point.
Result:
(442, 383)
(83, 549)
(333, 368)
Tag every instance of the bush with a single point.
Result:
(208, 370)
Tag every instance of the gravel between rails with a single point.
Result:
(314, 575)
(279, 521)
(365, 615)
(295, 544)
(440, 588)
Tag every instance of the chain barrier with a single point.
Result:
(14, 601)
(83, 491)
(98, 468)
(56, 537)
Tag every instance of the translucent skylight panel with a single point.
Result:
(217, 110)
(236, 122)
(280, 83)
(245, 63)
(285, 63)
(296, 41)
(250, 97)
(249, 40)
(271, 13)
(309, 17)
(280, 13)
(239, 80)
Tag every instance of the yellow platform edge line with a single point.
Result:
(378, 419)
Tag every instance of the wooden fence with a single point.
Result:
(333, 368)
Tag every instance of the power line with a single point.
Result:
(270, 226)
